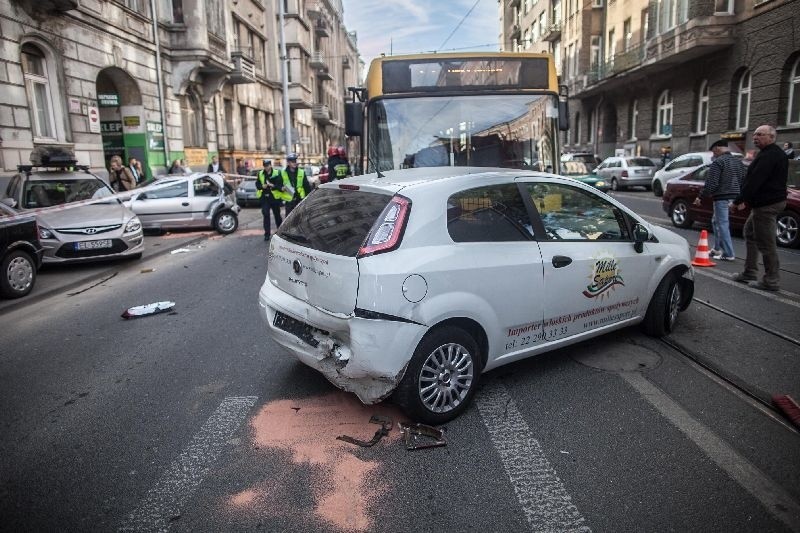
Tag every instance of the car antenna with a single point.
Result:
(377, 169)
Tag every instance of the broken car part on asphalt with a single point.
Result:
(421, 436)
(386, 427)
(149, 309)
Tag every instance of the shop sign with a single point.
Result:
(108, 100)
(196, 157)
(155, 136)
(131, 122)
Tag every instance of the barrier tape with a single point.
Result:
(121, 196)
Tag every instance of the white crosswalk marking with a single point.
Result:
(185, 474)
(546, 503)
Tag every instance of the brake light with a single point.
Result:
(387, 232)
(624, 173)
(349, 187)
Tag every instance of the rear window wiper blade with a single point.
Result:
(294, 237)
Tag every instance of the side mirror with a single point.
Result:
(640, 236)
(10, 202)
(354, 119)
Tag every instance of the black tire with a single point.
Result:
(434, 351)
(679, 214)
(226, 222)
(662, 313)
(18, 274)
(614, 184)
(657, 190)
(788, 229)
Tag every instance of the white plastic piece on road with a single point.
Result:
(180, 251)
(149, 309)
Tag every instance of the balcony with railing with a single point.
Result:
(321, 113)
(696, 37)
(514, 32)
(244, 66)
(300, 96)
(321, 28)
(318, 61)
(552, 32)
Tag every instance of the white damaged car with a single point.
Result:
(417, 281)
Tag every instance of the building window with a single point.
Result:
(594, 57)
(135, 5)
(590, 123)
(556, 12)
(723, 7)
(633, 119)
(671, 13)
(702, 108)
(793, 115)
(612, 44)
(534, 30)
(627, 35)
(215, 15)
(743, 101)
(37, 72)
(193, 120)
(527, 39)
(645, 26)
(244, 122)
(542, 23)
(597, 3)
(664, 117)
(577, 129)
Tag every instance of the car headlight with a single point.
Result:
(45, 233)
(133, 224)
(601, 183)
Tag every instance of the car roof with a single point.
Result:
(59, 175)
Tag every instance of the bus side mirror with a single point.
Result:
(354, 119)
(563, 115)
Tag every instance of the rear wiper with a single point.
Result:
(294, 237)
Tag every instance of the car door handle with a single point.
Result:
(560, 261)
(185, 204)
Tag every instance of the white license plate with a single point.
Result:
(93, 245)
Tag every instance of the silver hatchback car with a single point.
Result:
(623, 172)
(200, 200)
(102, 229)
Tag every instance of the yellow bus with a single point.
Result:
(496, 109)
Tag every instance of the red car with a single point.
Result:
(678, 203)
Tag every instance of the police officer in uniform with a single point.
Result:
(269, 191)
(295, 182)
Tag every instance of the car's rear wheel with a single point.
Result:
(18, 274)
(788, 229)
(441, 378)
(679, 214)
(226, 222)
(662, 313)
(657, 190)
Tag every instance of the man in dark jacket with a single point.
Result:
(269, 191)
(764, 190)
(723, 180)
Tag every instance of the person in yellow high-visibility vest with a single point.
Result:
(269, 191)
(295, 181)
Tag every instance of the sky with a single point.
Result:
(411, 26)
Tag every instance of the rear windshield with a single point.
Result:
(335, 221)
(640, 162)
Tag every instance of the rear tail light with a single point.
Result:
(387, 233)
(624, 173)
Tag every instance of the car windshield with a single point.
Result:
(574, 168)
(640, 162)
(46, 193)
(511, 131)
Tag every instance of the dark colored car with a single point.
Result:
(20, 253)
(678, 203)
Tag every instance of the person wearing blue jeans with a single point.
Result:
(723, 182)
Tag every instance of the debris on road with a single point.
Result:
(147, 310)
(788, 407)
(180, 251)
(147, 270)
(386, 426)
(421, 436)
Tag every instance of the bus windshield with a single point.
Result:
(483, 130)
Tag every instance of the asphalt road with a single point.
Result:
(195, 420)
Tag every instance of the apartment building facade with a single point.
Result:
(91, 76)
(647, 77)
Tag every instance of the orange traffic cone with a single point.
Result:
(701, 257)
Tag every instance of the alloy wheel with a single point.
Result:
(446, 377)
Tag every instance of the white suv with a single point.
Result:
(416, 281)
(679, 167)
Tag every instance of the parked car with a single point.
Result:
(580, 171)
(624, 172)
(590, 159)
(680, 166)
(416, 283)
(678, 203)
(20, 253)
(200, 200)
(246, 193)
(105, 229)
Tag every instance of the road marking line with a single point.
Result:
(164, 500)
(545, 501)
(775, 500)
(728, 281)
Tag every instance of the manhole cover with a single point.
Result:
(616, 356)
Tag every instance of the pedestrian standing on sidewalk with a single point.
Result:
(269, 191)
(764, 190)
(295, 182)
(723, 181)
(120, 178)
